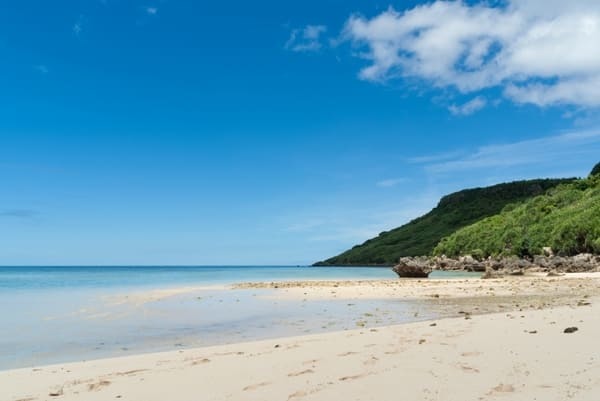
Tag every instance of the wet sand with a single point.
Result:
(507, 344)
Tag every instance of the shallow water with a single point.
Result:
(60, 314)
(46, 277)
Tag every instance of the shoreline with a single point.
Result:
(448, 358)
(496, 348)
(415, 288)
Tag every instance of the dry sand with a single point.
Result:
(517, 354)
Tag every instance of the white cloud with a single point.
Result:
(568, 148)
(468, 108)
(391, 182)
(543, 52)
(151, 10)
(307, 39)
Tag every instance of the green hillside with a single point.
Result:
(595, 170)
(420, 236)
(567, 218)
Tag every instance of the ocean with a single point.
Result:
(61, 314)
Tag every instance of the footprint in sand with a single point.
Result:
(255, 386)
(304, 372)
(229, 353)
(130, 372)
(467, 368)
(98, 385)
(346, 378)
(347, 353)
(470, 354)
(371, 361)
(297, 394)
(56, 393)
(200, 361)
(503, 388)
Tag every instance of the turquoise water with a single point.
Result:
(45, 277)
(60, 314)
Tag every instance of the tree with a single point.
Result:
(595, 170)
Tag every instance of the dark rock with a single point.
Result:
(413, 268)
(475, 267)
(541, 261)
(421, 267)
(581, 263)
(517, 273)
(490, 273)
(570, 330)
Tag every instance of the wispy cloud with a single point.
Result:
(349, 234)
(468, 108)
(41, 68)
(307, 39)
(372, 224)
(18, 213)
(350, 227)
(78, 26)
(435, 157)
(390, 182)
(151, 10)
(306, 225)
(541, 52)
(567, 147)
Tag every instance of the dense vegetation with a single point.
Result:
(420, 236)
(566, 218)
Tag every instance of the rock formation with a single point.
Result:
(413, 267)
(421, 267)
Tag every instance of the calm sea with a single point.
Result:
(60, 314)
(110, 277)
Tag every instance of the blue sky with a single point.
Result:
(178, 132)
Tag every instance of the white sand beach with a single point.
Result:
(518, 353)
